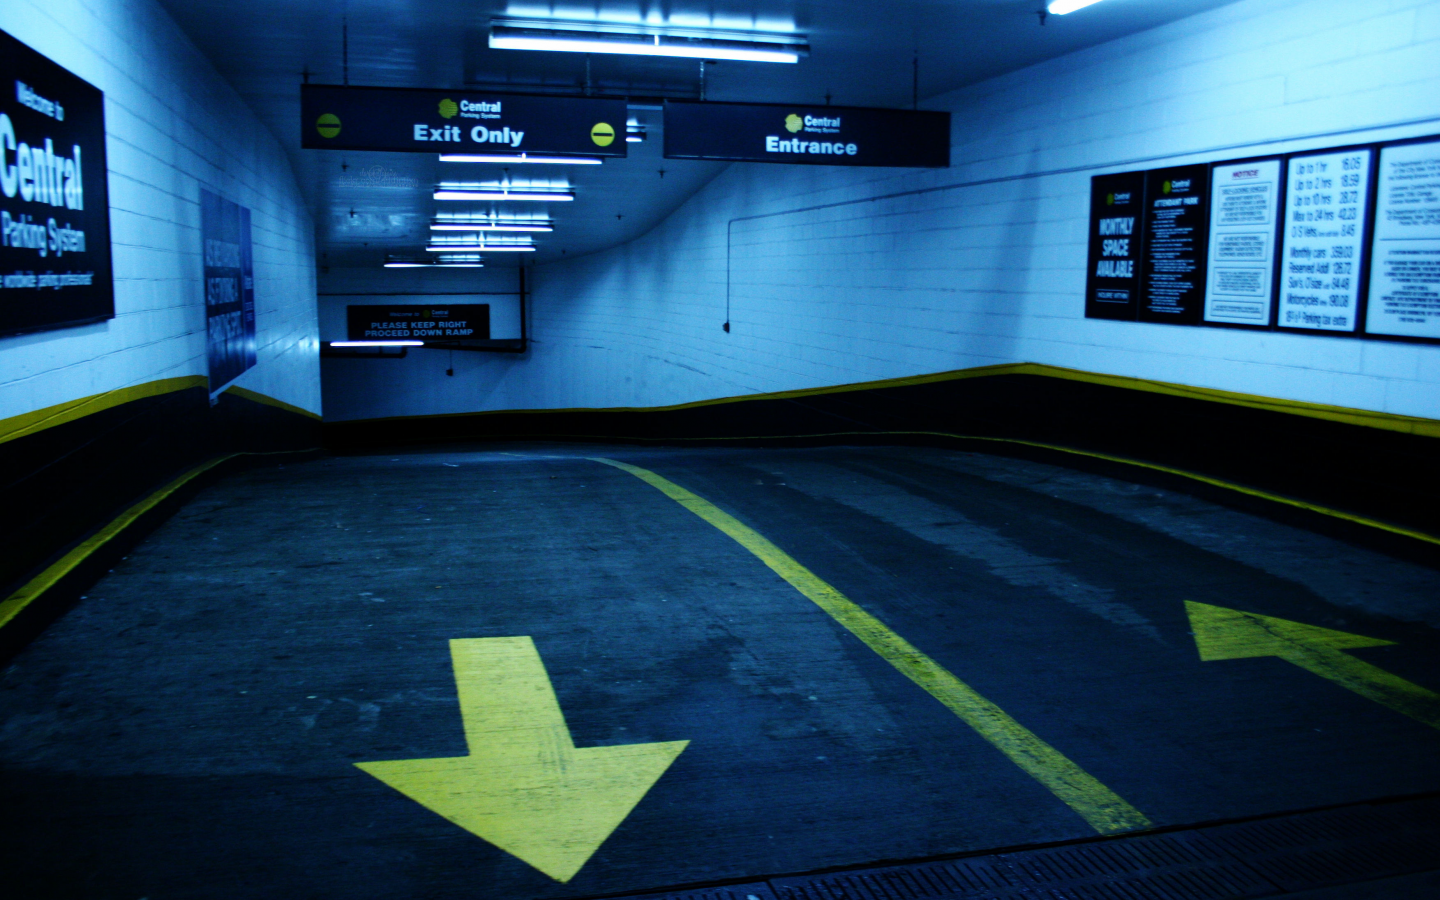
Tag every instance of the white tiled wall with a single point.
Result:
(173, 126)
(990, 268)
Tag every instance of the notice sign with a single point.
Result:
(229, 289)
(1325, 199)
(54, 209)
(1176, 228)
(1405, 260)
(813, 135)
(1112, 282)
(1244, 209)
(346, 118)
(463, 322)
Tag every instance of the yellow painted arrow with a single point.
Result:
(1222, 633)
(525, 787)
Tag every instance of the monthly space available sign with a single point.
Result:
(426, 121)
(1244, 207)
(815, 135)
(1326, 195)
(54, 208)
(1117, 212)
(1405, 260)
(229, 288)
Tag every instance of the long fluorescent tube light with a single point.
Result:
(502, 195)
(486, 226)
(377, 343)
(690, 44)
(519, 158)
(1061, 7)
(405, 265)
(513, 248)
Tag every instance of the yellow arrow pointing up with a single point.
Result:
(1222, 633)
(525, 787)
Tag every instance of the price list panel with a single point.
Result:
(1405, 261)
(1325, 201)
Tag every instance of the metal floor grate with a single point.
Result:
(1264, 858)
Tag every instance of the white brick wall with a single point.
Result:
(992, 268)
(173, 126)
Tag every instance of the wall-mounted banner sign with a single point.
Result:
(1405, 262)
(462, 121)
(1244, 212)
(229, 289)
(54, 207)
(1177, 202)
(1112, 281)
(1326, 195)
(817, 135)
(461, 322)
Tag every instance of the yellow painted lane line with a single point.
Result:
(11, 606)
(1105, 810)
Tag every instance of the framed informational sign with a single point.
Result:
(1244, 215)
(808, 135)
(407, 322)
(1326, 197)
(463, 121)
(1112, 278)
(229, 289)
(54, 207)
(1404, 298)
(1177, 202)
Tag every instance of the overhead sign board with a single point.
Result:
(1117, 213)
(1177, 202)
(1244, 208)
(425, 121)
(1405, 263)
(54, 205)
(1326, 198)
(401, 322)
(813, 135)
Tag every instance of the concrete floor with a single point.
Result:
(191, 728)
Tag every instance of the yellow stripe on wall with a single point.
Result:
(1365, 418)
(256, 397)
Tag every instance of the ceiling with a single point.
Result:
(368, 205)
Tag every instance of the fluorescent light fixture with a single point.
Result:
(459, 265)
(519, 158)
(488, 226)
(594, 37)
(634, 138)
(405, 265)
(377, 343)
(513, 248)
(1061, 7)
(446, 194)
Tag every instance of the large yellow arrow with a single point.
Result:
(525, 787)
(1222, 633)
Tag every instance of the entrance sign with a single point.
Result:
(229, 289)
(1244, 207)
(1176, 202)
(1112, 280)
(1405, 262)
(461, 322)
(814, 135)
(54, 206)
(424, 121)
(1326, 198)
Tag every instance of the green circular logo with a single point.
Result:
(328, 125)
(1110, 200)
(1165, 187)
(448, 109)
(793, 123)
(602, 134)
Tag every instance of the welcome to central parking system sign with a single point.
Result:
(815, 135)
(425, 121)
(54, 207)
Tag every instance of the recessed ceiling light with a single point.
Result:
(595, 37)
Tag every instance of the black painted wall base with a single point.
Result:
(1388, 476)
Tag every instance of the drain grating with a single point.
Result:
(1262, 858)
